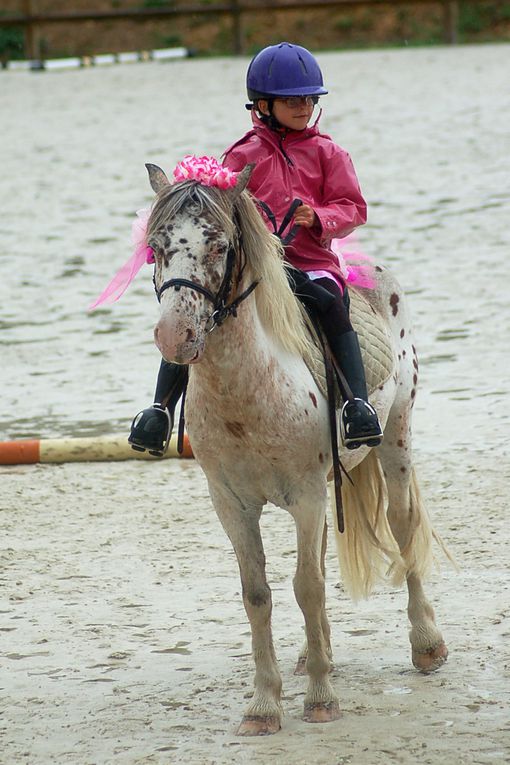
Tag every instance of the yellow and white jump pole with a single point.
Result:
(99, 449)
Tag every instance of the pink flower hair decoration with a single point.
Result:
(206, 170)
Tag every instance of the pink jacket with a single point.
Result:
(306, 165)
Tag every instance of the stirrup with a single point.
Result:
(150, 430)
(359, 424)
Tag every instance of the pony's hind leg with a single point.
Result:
(263, 715)
(411, 528)
(321, 703)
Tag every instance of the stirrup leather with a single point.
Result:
(359, 424)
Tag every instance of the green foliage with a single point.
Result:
(482, 17)
(158, 3)
(171, 41)
(471, 17)
(345, 23)
(12, 43)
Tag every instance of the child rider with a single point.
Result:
(293, 161)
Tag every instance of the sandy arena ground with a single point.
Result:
(122, 633)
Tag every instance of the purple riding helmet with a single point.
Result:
(284, 70)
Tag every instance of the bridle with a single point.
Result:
(222, 309)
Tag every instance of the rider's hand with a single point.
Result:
(305, 216)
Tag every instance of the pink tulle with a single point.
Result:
(125, 275)
(359, 267)
(205, 170)
(208, 171)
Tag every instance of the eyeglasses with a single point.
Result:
(294, 102)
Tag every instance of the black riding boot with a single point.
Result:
(359, 423)
(151, 428)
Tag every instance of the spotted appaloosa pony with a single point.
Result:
(258, 426)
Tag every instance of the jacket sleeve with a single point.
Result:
(342, 207)
(234, 160)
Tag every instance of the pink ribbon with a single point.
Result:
(125, 275)
(207, 171)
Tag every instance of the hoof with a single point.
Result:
(431, 660)
(252, 725)
(322, 713)
(301, 666)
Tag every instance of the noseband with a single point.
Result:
(222, 309)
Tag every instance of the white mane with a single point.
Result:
(277, 307)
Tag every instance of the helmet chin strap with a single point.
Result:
(269, 119)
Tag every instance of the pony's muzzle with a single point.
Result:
(179, 347)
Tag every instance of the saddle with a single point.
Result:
(375, 343)
(378, 360)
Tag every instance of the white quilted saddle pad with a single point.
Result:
(374, 339)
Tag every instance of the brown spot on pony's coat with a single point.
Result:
(321, 457)
(313, 397)
(394, 303)
(236, 428)
(402, 332)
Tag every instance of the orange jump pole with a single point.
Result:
(101, 449)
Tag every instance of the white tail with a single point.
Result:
(367, 550)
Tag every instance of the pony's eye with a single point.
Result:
(215, 252)
(219, 248)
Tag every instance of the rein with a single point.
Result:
(222, 309)
(278, 231)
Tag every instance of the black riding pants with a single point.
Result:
(324, 297)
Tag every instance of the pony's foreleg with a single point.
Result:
(301, 662)
(263, 715)
(411, 528)
(321, 703)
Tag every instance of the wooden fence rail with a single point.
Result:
(30, 20)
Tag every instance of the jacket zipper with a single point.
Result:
(287, 158)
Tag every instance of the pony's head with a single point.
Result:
(210, 247)
(194, 239)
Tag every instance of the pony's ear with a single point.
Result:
(242, 180)
(157, 177)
